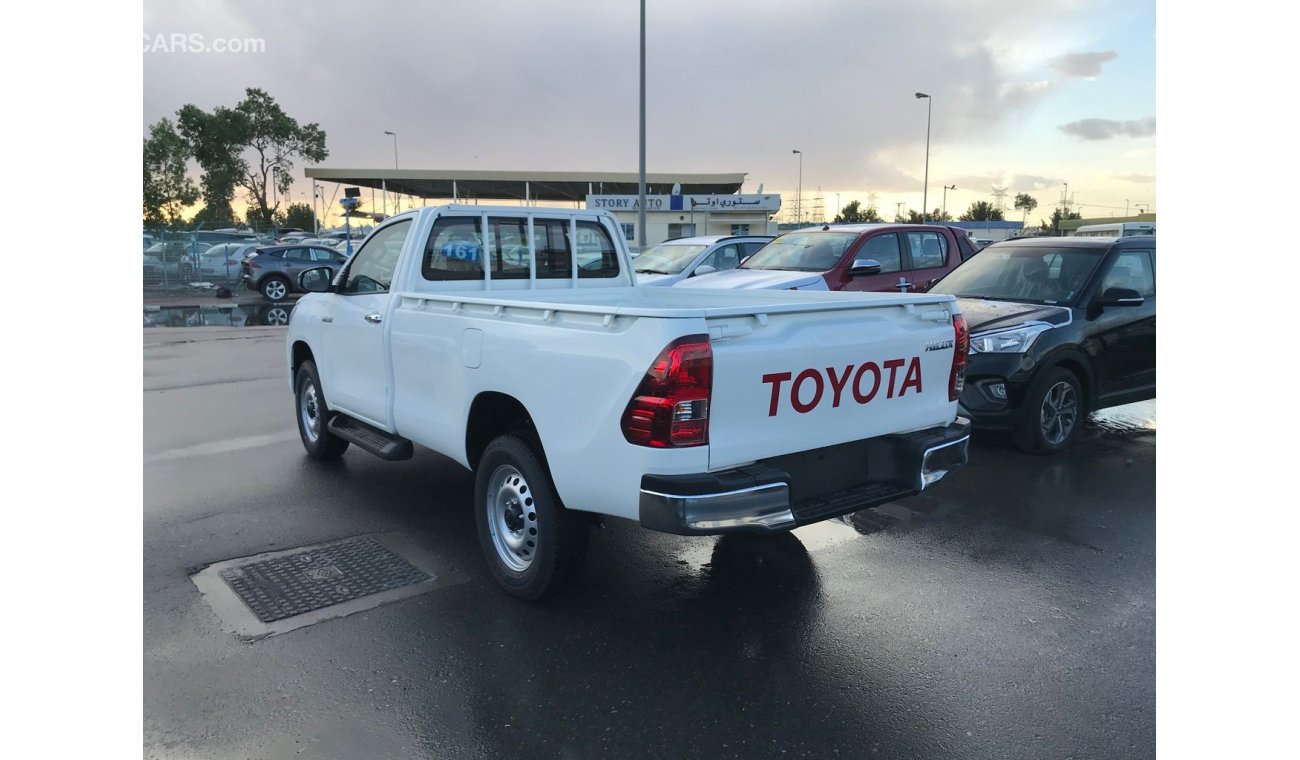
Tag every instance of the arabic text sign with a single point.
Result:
(701, 203)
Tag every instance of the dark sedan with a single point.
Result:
(274, 270)
(1060, 327)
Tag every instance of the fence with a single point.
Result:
(196, 261)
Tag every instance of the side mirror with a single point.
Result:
(864, 267)
(1121, 297)
(703, 269)
(316, 280)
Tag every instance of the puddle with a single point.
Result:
(1127, 419)
(234, 315)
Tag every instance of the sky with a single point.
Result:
(1026, 95)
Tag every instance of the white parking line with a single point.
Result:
(220, 447)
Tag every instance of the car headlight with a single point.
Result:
(1017, 340)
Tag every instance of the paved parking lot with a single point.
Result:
(1008, 612)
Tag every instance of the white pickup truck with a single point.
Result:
(514, 340)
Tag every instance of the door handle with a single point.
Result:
(327, 319)
(375, 318)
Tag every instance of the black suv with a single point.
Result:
(274, 270)
(1060, 327)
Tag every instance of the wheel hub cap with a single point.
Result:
(512, 518)
(1059, 413)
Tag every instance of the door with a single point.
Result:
(1125, 336)
(930, 253)
(885, 249)
(356, 371)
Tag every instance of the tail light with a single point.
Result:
(960, 349)
(252, 264)
(670, 408)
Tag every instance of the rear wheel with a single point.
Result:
(532, 544)
(313, 416)
(1054, 411)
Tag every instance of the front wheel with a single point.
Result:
(313, 416)
(532, 544)
(1054, 411)
(275, 288)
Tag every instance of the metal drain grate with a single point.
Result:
(312, 579)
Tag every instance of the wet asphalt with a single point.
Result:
(1008, 612)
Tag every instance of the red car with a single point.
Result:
(882, 257)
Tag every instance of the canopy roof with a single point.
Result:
(539, 186)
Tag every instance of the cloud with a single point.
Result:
(1082, 65)
(1140, 178)
(1105, 129)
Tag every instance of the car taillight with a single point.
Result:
(253, 264)
(670, 408)
(960, 349)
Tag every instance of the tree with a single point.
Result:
(167, 189)
(215, 141)
(252, 146)
(854, 213)
(1058, 216)
(914, 217)
(300, 215)
(276, 138)
(1026, 203)
(982, 211)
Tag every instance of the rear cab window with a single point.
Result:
(457, 249)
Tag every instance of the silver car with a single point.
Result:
(675, 260)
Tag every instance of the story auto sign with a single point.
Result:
(701, 203)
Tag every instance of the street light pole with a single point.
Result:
(926, 188)
(394, 134)
(946, 188)
(640, 206)
(798, 203)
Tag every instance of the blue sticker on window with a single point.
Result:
(461, 250)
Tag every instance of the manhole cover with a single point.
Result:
(323, 576)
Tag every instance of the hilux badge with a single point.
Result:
(939, 345)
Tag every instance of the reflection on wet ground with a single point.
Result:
(1129, 418)
(1120, 421)
(233, 315)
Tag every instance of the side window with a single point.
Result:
(320, 254)
(749, 249)
(297, 254)
(597, 256)
(454, 250)
(929, 249)
(507, 246)
(726, 257)
(882, 248)
(372, 267)
(552, 242)
(1132, 269)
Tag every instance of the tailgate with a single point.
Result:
(807, 380)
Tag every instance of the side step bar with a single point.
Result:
(383, 445)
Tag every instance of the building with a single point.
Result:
(681, 215)
(677, 205)
(1069, 226)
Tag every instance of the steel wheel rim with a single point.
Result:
(309, 412)
(1059, 413)
(512, 518)
(275, 289)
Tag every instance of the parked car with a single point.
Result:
(675, 260)
(274, 270)
(883, 257)
(1060, 327)
(222, 262)
(170, 261)
(645, 404)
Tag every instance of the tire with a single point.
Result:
(313, 415)
(532, 544)
(1054, 412)
(274, 288)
